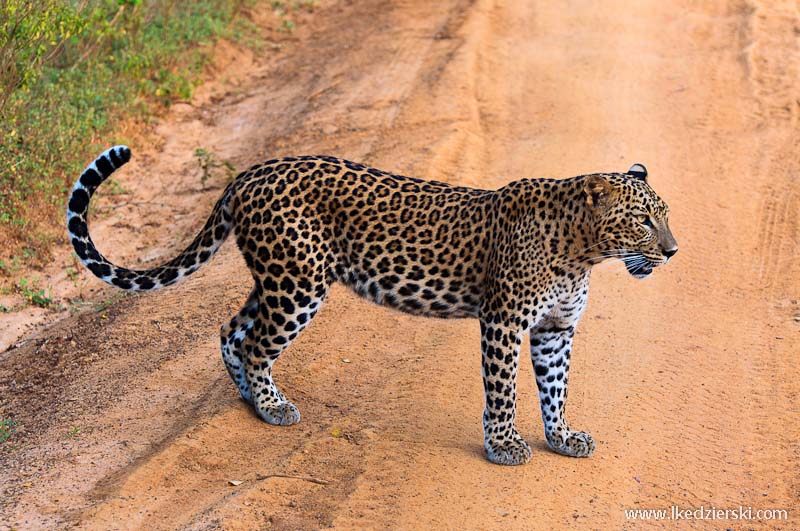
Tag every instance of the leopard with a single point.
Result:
(518, 259)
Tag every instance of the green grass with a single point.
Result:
(33, 293)
(77, 77)
(7, 429)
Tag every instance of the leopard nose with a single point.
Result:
(669, 252)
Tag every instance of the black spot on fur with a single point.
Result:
(104, 166)
(77, 227)
(79, 201)
(91, 179)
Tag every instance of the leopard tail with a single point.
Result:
(200, 251)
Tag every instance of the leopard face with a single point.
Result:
(631, 221)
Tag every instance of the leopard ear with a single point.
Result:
(597, 190)
(638, 171)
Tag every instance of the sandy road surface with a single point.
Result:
(688, 381)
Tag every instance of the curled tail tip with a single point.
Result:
(205, 244)
(92, 177)
(121, 151)
(100, 169)
(109, 161)
(116, 155)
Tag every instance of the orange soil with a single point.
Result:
(688, 381)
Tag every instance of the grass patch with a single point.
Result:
(34, 294)
(72, 75)
(31, 293)
(7, 429)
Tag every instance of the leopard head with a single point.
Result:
(628, 221)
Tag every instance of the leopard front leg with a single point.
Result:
(551, 344)
(500, 345)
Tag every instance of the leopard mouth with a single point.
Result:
(639, 266)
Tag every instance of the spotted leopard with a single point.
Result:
(518, 259)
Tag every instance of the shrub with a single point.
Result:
(71, 71)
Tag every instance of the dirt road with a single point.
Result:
(688, 381)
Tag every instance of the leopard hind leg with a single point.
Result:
(232, 337)
(280, 318)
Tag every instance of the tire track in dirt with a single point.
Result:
(773, 65)
(772, 59)
(779, 220)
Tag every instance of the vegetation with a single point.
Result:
(74, 75)
(209, 163)
(33, 294)
(7, 428)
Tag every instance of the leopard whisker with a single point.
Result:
(619, 255)
(601, 242)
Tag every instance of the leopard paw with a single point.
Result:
(284, 414)
(513, 452)
(575, 444)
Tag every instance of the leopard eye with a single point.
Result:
(645, 220)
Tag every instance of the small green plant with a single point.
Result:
(8, 427)
(287, 26)
(28, 253)
(73, 432)
(11, 268)
(33, 294)
(115, 297)
(209, 162)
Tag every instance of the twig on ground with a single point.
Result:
(261, 477)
